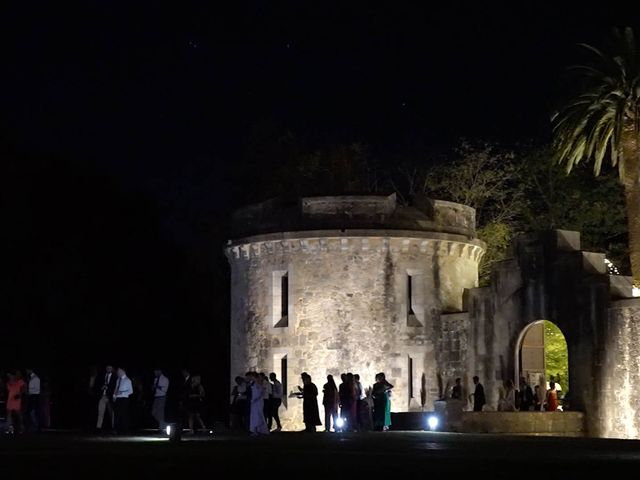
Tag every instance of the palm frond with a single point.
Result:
(590, 125)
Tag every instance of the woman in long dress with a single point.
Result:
(507, 401)
(310, 410)
(381, 403)
(257, 423)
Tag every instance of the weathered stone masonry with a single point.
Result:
(348, 293)
(334, 284)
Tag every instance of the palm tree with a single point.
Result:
(604, 118)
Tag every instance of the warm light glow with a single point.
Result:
(432, 422)
(168, 430)
(635, 292)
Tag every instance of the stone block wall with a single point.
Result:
(350, 264)
(619, 393)
(349, 312)
(565, 424)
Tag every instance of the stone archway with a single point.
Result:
(541, 355)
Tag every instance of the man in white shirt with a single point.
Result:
(33, 400)
(276, 401)
(159, 389)
(121, 394)
(105, 396)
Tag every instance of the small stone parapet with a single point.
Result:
(563, 424)
(354, 212)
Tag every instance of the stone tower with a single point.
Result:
(358, 284)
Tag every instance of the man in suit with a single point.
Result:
(478, 395)
(525, 396)
(106, 384)
(183, 396)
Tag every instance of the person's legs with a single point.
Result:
(327, 417)
(19, 425)
(125, 415)
(267, 412)
(10, 420)
(33, 409)
(200, 422)
(111, 412)
(274, 412)
(121, 414)
(157, 411)
(117, 416)
(191, 415)
(102, 405)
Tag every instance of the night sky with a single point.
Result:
(122, 125)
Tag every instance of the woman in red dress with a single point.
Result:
(552, 398)
(15, 393)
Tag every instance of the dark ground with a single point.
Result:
(430, 455)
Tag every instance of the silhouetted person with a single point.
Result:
(348, 402)
(276, 401)
(478, 395)
(456, 391)
(92, 396)
(362, 407)
(525, 396)
(537, 401)
(257, 423)
(268, 396)
(551, 400)
(309, 403)
(159, 393)
(507, 397)
(381, 403)
(183, 396)
(330, 401)
(33, 400)
(105, 403)
(240, 404)
(195, 403)
(121, 394)
(15, 395)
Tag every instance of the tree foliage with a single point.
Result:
(603, 118)
(523, 191)
(513, 190)
(484, 177)
(556, 355)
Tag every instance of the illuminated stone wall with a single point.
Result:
(349, 306)
(348, 296)
(548, 277)
(619, 396)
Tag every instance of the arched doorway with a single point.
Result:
(542, 356)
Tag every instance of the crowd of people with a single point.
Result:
(510, 399)
(526, 399)
(113, 396)
(24, 402)
(256, 399)
(112, 402)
